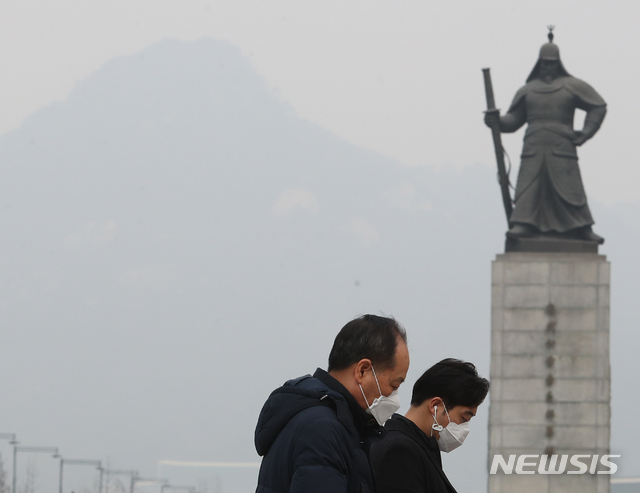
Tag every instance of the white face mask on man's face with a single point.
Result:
(451, 436)
(383, 407)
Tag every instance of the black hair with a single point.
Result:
(368, 336)
(456, 382)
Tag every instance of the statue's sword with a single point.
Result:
(497, 145)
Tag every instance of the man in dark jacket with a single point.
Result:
(315, 431)
(445, 398)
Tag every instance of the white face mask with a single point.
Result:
(453, 435)
(383, 407)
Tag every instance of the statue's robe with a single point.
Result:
(549, 191)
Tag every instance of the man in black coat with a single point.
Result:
(445, 398)
(315, 431)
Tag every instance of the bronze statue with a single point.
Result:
(549, 197)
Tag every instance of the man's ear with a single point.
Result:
(362, 367)
(433, 402)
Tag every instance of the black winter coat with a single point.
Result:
(311, 440)
(408, 461)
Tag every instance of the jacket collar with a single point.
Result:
(428, 444)
(354, 413)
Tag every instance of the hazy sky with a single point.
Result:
(402, 78)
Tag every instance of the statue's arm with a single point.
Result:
(587, 99)
(510, 122)
(514, 119)
(592, 122)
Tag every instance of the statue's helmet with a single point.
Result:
(548, 51)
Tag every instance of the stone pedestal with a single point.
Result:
(550, 376)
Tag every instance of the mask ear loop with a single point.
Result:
(374, 376)
(445, 410)
(436, 426)
(365, 397)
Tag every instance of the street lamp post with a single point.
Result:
(81, 462)
(11, 437)
(16, 448)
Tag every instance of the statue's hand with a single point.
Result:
(580, 138)
(491, 118)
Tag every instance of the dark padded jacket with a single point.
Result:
(406, 460)
(312, 441)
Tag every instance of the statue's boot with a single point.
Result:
(587, 234)
(521, 230)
